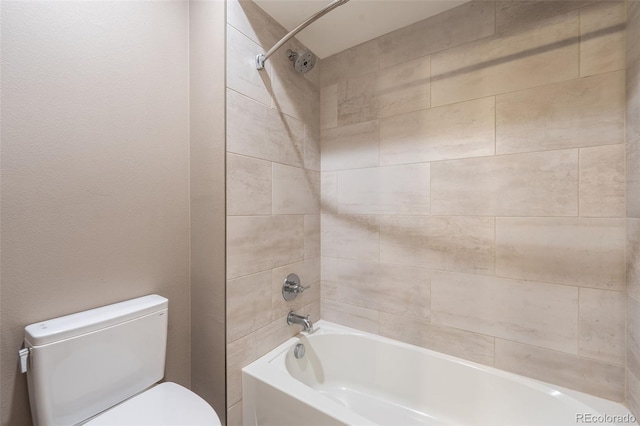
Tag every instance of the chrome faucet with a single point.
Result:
(305, 322)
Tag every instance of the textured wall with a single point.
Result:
(95, 197)
(633, 206)
(273, 191)
(207, 27)
(473, 196)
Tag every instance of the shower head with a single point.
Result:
(302, 62)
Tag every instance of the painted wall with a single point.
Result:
(473, 195)
(95, 178)
(273, 191)
(633, 206)
(207, 25)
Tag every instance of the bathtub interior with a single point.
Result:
(392, 383)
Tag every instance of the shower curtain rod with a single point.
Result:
(262, 58)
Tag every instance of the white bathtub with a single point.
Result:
(348, 377)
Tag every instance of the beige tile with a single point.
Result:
(329, 106)
(633, 31)
(633, 258)
(293, 94)
(532, 184)
(351, 316)
(633, 336)
(453, 243)
(295, 190)
(248, 18)
(244, 351)
(259, 243)
(281, 138)
(583, 252)
(309, 273)
(513, 16)
(311, 236)
(400, 189)
(350, 147)
(350, 63)
(375, 286)
(312, 148)
(633, 99)
(602, 37)
(602, 325)
(357, 100)
(633, 392)
(453, 27)
(461, 130)
(633, 178)
(248, 186)
(572, 371)
(329, 192)
(460, 343)
(242, 75)
(350, 236)
(581, 112)
(234, 415)
(539, 55)
(248, 304)
(602, 181)
(403, 88)
(524, 311)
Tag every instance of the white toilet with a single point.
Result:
(100, 367)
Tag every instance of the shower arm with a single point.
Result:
(262, 58)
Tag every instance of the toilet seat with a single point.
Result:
(167, 404)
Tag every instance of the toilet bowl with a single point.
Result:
(104, 367)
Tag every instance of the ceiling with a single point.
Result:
(352, 23)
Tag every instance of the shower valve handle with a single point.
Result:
(291, 287)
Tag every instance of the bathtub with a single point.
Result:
(348, 377)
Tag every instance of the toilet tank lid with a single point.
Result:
(56, 329)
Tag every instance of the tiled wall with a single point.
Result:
(473, 188)
(273, 191)
(633, 206)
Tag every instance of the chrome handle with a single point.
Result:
(291, 287)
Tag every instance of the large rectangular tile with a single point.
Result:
(350, 147)
(259, 243)
(357, 100)
(453, 27)
(633, 393)
(633, 258)
(329, 106)
(633, 31)
(400, 189)
(350, 236)
(532, 184)
(375, 286)
(350, 63)
(351, 316)
(513, 16)
(461, 130)
(543, 54)
(295, 190)
(602, 181)
(524, 311)
(602, 325)
(242, 75)
(311, 236)
(329, 192)
(572, 371)
(581, 112)
(633, 177)
(248, 18)
(460, 343)
(583, 252)
(602, 37)
(453, 243)
(271, 135)
(248, 186)
(248, 304)
(312, 140)
(404, 87)
(633, 336)
(632, 79)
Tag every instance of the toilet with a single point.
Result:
(102, 367)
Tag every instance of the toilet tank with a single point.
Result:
(82, 364)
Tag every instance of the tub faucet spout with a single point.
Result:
(305, 322)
